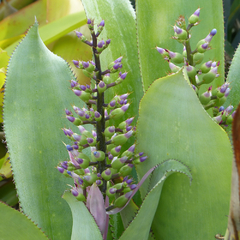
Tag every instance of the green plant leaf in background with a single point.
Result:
(120, 27)
(147, 210)
(18, 227)
(37, 92)
(154, 28)
(184, 131)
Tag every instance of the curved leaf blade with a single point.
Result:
(147, 210)
(173, 124)
(84, 224)
(37, 92)
(14, 225)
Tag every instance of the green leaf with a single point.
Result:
(116, 225)
(37, 92)
(14, 225)
(84, 224)
(8, 193)
(154, 28)
(233, 77)
(120, 27)
(140, 226)
(173, 124)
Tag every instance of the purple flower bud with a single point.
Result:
(89, 21)
(70, 118)
(123, 76)
(79, 160)
(101, 24)
(124, 96)
(125, 107)
(197, 12)
(69, 147)
(112, 190)
(74, 192)
(110, 156)
(128, 128)
(177, 30)
(221, 109)
(75, 146)
(108, 41)
(101, 44)
(69, 173)
(97, 114)
(129, 181)
(128, 134)
(98, 182)
(233, 114)
(142, 159)
(205, 46)
(86, 171)
(76, 63)
(160, 50)
(129, 121)
(73, 83)
(83, 87)
(118, 148)
(61, 170)
(227, 92)
(101, 84)
(87, 116)
(80, 181)
(118, 60)
(123, 159)
(90, 140)
(64, 164)
(194, 87)
(79, 35)
(112, 103)
(85, 64)
(132, 148)
(68, 112)
(116, 66)
(77, 92)
(229, 109)
(121, 102)
(108, 172)
(213, 32)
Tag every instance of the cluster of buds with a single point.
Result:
(199, 73)
(108, 168)
(224, 116)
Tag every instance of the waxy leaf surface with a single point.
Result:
(173, 124)
(18, 227)
(37, 92)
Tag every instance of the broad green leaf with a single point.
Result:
(14, 225)
(173, 124)
(120, 27)
(154, 28)
(84, 225)
(37, 92)
(141, 224)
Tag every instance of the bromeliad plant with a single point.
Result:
(173, 130)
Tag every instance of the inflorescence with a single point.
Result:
(107, 162)
(202, 74)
